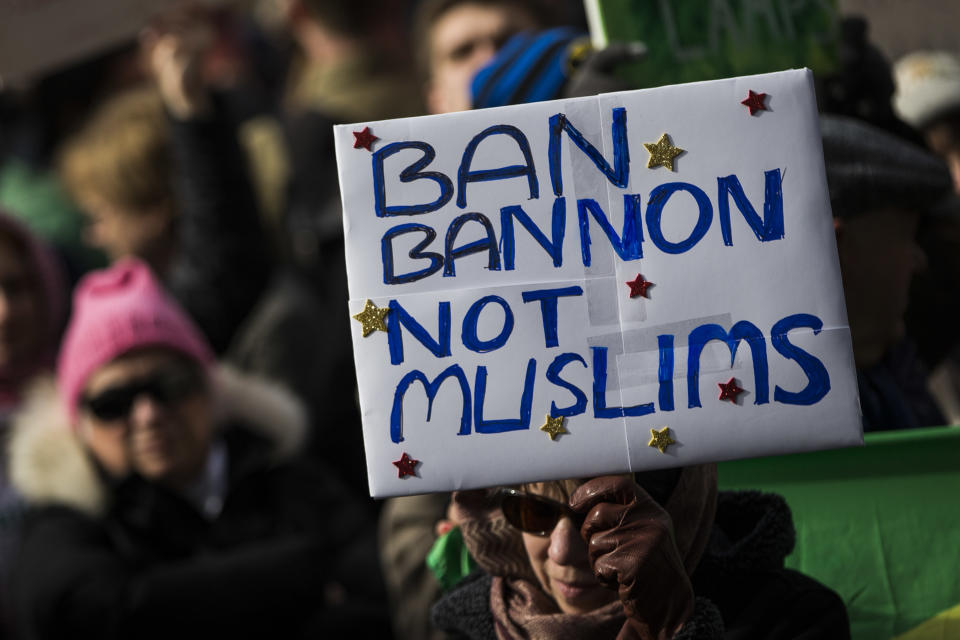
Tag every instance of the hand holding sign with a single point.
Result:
(499, 242)
(632, 550)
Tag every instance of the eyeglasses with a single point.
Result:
(167, 387)
(535, 514)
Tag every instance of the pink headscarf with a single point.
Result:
(117, 310)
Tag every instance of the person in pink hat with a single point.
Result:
(164, 492)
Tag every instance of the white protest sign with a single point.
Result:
(499, 264)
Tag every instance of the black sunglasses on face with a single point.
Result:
(166, 387)
(535, 514)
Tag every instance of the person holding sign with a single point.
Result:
(666, 269)
(167, 498)
(656, 554)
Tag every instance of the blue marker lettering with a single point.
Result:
(618, 175)
(409, 174)
(553, 375)
(465, 174)
(819, 379)
(431, 389)
(439, 347)
(526, 403)
(742, 330)
(771, 227)
(548, 309)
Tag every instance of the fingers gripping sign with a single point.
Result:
(631, 546)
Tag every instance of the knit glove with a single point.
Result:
(596, 74)
(632, 550)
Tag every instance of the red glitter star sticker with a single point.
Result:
(364, 139)
(406, 466)
(638, 286)
(755, 101)
(728, 391)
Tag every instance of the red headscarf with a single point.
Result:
(48, 278)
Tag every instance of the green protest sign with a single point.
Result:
(691, 40)
(877, 524)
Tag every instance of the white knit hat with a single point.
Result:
(928, 86)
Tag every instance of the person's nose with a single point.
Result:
(146, 410)
(566, 545)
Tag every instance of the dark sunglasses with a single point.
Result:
(166, 387)
(535, 514)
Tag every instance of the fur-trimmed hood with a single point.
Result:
(48, 464)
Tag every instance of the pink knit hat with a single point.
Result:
(115, 311)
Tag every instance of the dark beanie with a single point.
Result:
(870, 169)
(529, 68)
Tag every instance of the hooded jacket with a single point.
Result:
(125, 558)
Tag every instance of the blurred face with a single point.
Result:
(148, 412)
(21, 322)
(462, 40)
(944, 139)
(561, 564)
(878, 257)
(120, 233)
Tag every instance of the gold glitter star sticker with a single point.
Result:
(553, 426)
(662, 152)
(661, 439)
(372, 318)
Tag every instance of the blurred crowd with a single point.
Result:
(183, 450)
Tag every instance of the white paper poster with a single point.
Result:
(631, 281)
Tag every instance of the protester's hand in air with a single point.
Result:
(632, 550)
(174, 47)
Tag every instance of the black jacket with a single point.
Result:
(287, 322)
(286, 557)
(224, 259)
(741, 575)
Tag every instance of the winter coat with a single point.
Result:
(741, 574)
(302, 341)
(407, 525)
(223, 261)
(266, 319)
(894, 392)
(104, 558)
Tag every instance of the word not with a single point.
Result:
(472, 416)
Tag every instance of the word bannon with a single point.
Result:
(627, 244)
(818, 380)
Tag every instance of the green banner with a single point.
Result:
(691, 40)
(878, 524)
